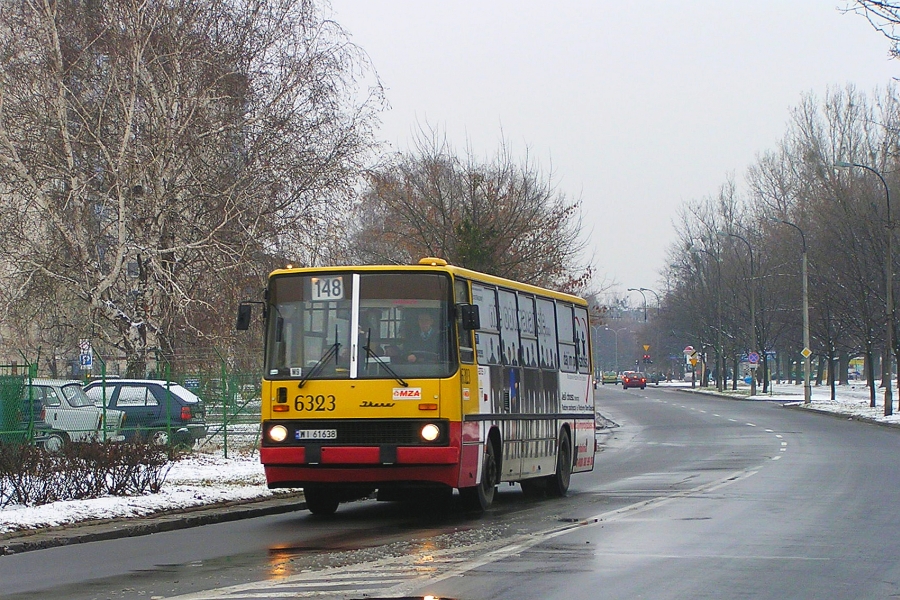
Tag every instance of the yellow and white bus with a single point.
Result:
(421, 378)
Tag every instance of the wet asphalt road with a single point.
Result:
(691, 497)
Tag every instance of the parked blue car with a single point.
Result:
(160, 411)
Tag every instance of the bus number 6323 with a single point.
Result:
(312, 403)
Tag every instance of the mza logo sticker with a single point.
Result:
(407, 394)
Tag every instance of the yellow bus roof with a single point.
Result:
(438, 264)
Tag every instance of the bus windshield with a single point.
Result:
(401, 321)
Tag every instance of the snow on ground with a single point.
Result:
(199, 479)
(207, 477)
(851, 399)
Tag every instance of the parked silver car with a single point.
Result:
(71, 415)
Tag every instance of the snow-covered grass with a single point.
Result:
(851, 399)
(198, 479)
(206, 477)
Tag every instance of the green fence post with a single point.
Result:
(103, 394)
(169, 403)
(224, 406)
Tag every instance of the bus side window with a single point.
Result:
(582, 341)
(487, 338)
(566, 332)
(466, 349)
(509, 327)
(546, 333)
(529, 347)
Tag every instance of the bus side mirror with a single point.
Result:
(245, 311)
(469, 317)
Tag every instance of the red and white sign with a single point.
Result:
(688, 350)
(407, 394)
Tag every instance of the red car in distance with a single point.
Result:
(632, 379)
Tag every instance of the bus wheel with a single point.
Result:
(320, 501)
(480, 497)
(558, 484)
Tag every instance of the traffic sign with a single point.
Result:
(688, 350)
(646, 347)
(753, 358)
(86, 357)
(806, 352)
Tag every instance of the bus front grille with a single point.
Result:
(361, 432)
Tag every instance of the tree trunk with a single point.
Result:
(843, 366)
(831, 372)
(735, 373)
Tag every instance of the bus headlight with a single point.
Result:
(430, 432)
(278, 433)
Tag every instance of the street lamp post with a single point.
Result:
(656, 324)
(616, 333)
(752, 306)
(888, 293)
(807, 367)
(641, 292)
(655, 294)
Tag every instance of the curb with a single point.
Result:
(842, 416)
(93, 531)
(796, 405)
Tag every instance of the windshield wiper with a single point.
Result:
(380, 361)
(332, 351)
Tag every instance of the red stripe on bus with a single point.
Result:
(288, 476)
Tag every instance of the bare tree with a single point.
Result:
(156, 158)
(842, 214)
(884, 16)
(502, 217)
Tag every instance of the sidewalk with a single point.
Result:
(200, 489)
(95, 530)
(851, 400)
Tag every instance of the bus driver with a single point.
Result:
(423, 344)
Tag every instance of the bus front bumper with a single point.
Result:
(297, 466)
(359, 455)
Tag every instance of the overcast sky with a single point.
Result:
(638, 107)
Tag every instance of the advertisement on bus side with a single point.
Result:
(574, 393)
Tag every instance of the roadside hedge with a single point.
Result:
(31, 476)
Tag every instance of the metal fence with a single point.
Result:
(231, 403)
(17, 417)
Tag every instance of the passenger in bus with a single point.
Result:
(423, 344)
